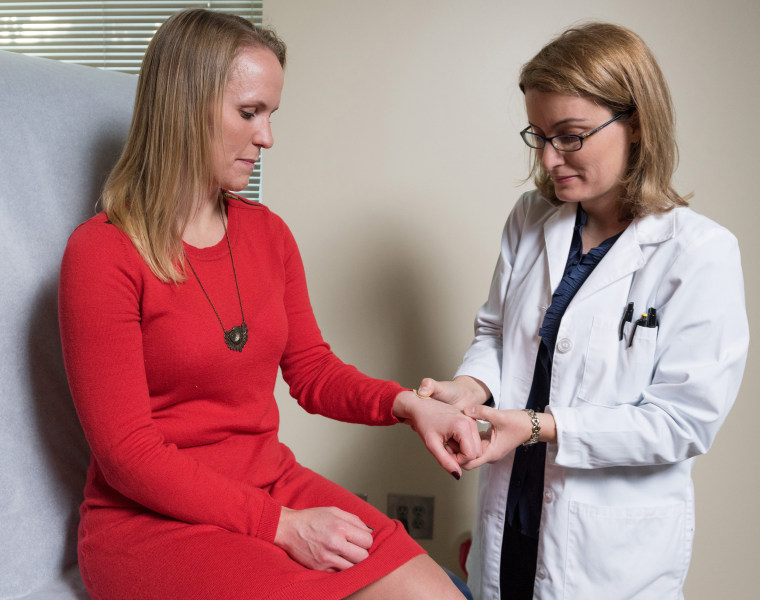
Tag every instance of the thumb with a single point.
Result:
(428, 387)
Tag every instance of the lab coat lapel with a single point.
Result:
(626, 255)
(558, 235)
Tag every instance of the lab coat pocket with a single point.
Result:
(626, 552)
(616, 371)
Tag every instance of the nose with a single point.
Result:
(263, 137)
(551, 157)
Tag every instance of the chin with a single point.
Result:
(235, 186)
(568, 198)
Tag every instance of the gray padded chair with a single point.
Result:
(62, 128)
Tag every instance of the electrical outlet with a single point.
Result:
(414, 512)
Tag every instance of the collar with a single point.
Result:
(624, 257)
(654, 229)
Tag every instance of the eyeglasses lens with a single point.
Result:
(563, 143)
(532, 140)
(567, 143)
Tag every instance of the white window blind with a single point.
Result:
(106, 35)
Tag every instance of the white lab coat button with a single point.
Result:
(541, 573)
(548, 496)
(564, 345)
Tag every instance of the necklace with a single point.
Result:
(236, 337)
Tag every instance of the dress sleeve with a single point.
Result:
(319, 380)
(100, 290)
(699, 360)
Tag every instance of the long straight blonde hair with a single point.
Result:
(613, 67)
(166, 163)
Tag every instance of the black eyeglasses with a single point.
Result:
(563, 143)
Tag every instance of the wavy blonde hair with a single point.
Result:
(613, 67)
(167, 160)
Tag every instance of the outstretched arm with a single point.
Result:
(463, 392)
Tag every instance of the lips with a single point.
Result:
(249, 161)
(560, 179)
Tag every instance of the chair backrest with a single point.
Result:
(62, 128)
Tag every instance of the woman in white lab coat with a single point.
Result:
(616, 317)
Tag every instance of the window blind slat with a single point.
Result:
(107, 35)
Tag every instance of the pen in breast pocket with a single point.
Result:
(627, 318)
(640, 322)
(648, 320)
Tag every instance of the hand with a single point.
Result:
(325, 539)
(463, 392)
(450, 436)
(509, 429)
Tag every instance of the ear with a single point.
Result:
(634, 129)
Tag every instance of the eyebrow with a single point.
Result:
(257, 105)
(568, 121)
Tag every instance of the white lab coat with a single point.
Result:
(618, 504)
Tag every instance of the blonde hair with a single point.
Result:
(613, 67)
(166, 162)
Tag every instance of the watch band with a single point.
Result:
(536, 428)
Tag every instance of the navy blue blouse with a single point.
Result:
(527, 481)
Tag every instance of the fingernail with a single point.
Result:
(471, 410)
(370, 528)
(455, 475)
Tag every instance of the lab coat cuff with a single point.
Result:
(562, 452)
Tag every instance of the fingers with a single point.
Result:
(452, 447)
(482, 413)
(338, 564)
(351, 552)
(350, 541)
(509, 429)
(450, 436)
(325, 538)
(487, 455)
(464, 446)
(468, 440)
(349, 518)
(478, 462)
(445, 458)
(463, 391)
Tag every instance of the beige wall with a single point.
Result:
(396, 162)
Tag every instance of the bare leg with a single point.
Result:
(418, 579)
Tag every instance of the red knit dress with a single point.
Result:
(187, 475)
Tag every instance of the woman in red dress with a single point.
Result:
(178, 305)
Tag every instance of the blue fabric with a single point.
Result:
(461, 585)
(527, 481)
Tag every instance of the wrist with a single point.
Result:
(544, 431)
(548, 428)
(280, 536)
(401, 405)
(535, 427)
(476, 392)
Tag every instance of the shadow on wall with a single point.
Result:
(376, 312)
(66, 452)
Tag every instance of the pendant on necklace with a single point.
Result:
(236, 337)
